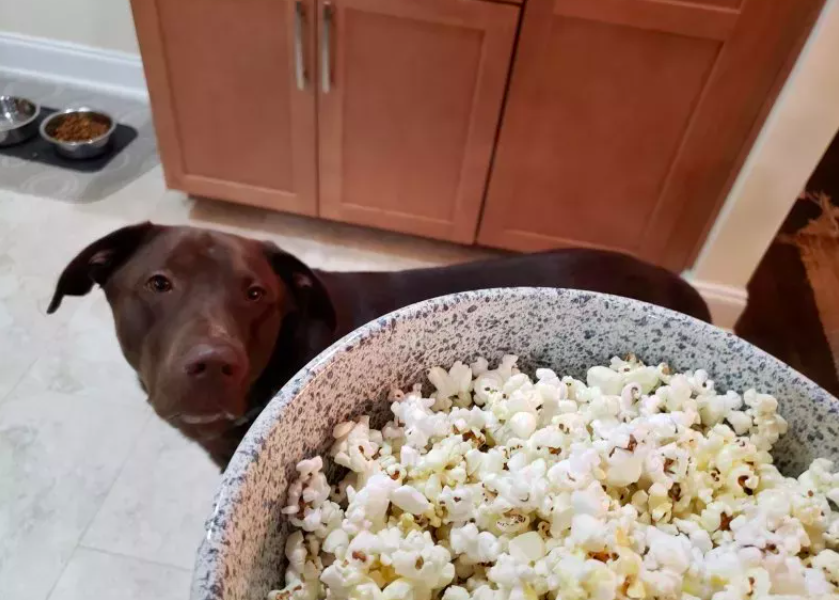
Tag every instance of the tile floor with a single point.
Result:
(98, 498)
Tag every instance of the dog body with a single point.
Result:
(214, 324)
(362, 297)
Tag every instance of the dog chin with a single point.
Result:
(204, 426)
(205, 419)
(200, 422)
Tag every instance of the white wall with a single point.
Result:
(789, 147)
(105, 24)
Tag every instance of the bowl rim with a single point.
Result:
(69, 111)
(28, 121)
(207, 580)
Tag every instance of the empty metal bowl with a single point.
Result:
(18, 119)
(81, 148)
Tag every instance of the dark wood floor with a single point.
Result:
(782, 316)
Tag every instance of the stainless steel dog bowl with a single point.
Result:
(90, 148)
(18, 119)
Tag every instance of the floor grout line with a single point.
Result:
(118, 474)
(20, 379)
(108, 553)
(131, 557)
(93, 518)
(60, 575)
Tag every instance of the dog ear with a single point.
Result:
(97, 262)
(309, 292)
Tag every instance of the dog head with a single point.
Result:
(197, 313)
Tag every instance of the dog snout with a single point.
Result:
(215, 363)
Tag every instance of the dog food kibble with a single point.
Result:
(635, 484)
(79, 128)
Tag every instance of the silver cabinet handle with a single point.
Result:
(325, 58)
(299, 68)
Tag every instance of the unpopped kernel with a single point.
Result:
(636, 483)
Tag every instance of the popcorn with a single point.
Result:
(410, 499)
(367, 509)
(527, 547)
(605, 379)
(477, 547)
(356, 446)
(421, 561)
(454, 386)
(456, 592)
(588, 533)
(637, 483)
(523, 424)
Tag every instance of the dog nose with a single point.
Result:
(216, 362)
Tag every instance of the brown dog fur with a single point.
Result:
(214, 324)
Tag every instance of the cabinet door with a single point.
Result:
(231, 87)
(626, 118)
(409, 102)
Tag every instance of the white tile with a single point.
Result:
(18, 211)
(93, 575)
(324, 244)
(173, 208)
(13, 365)
(47, 234)
(133, 203)
(224, 216)
(25, 329)
(157, 507)
(83, 359)
(59, 456)
(341, 247)
(18, 351)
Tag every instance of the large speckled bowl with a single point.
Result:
(242, 555)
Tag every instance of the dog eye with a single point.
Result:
(255, 293)
(159, 284)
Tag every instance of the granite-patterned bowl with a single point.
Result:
(242, 555)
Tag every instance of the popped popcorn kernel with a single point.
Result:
(634, 482)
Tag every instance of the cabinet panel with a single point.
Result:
(231, 120)
(626, 117)
(596, 141)
(407, 125)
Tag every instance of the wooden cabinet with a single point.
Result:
(625, 119)
(402, 98)
(231, 121)
(408, 120)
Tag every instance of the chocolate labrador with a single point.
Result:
(214, 324)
